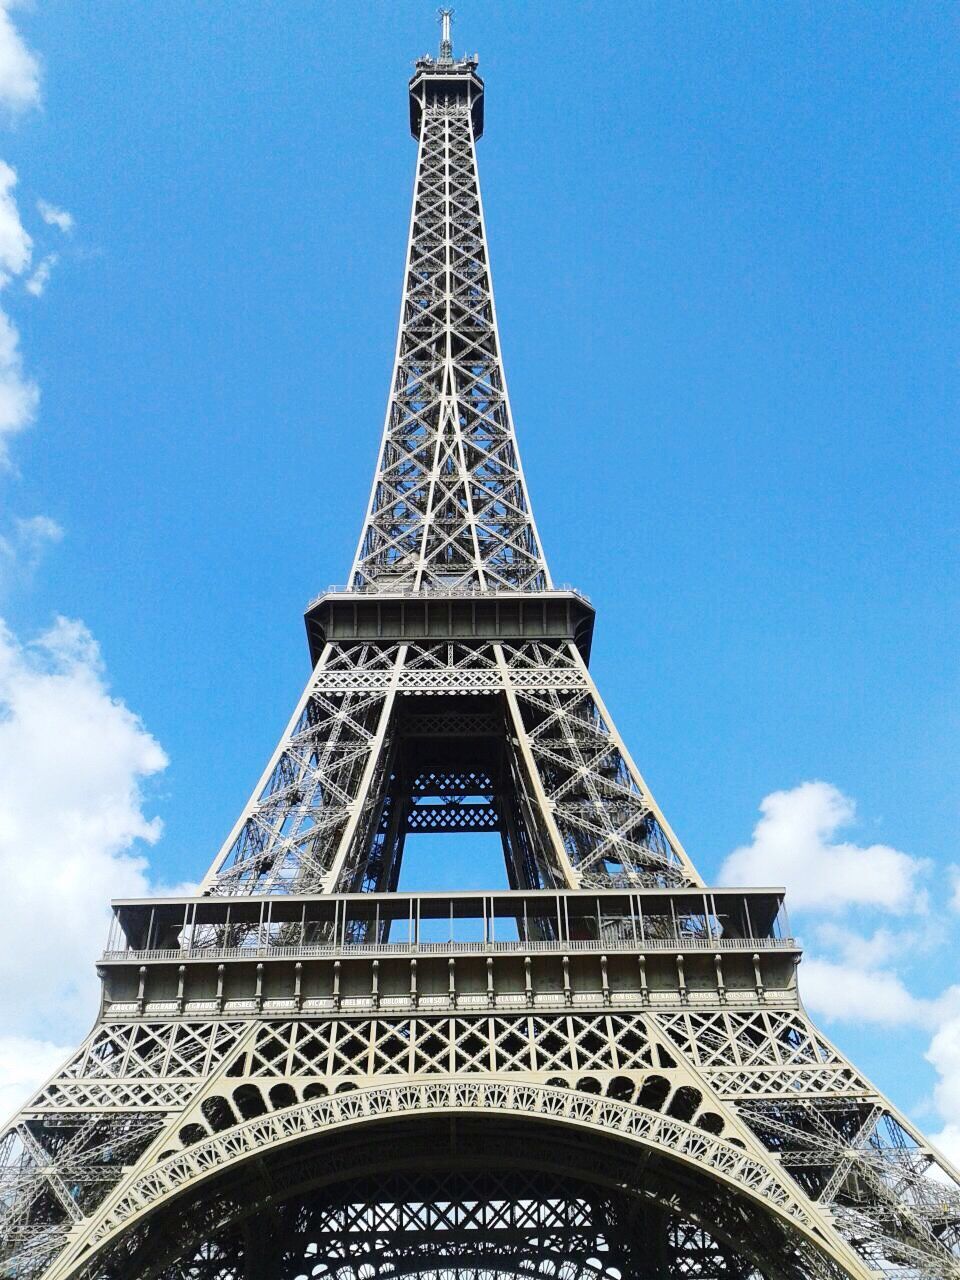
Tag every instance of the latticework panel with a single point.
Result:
(443, 1046)
(294, 825)
(887, 1191)
(75, 1139)
(449, 508)
(461, 1225)
(610, 828)
(581, 814)
(54, 1170)
(140, 1066)
(761, 1052)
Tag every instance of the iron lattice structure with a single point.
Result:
(605, 1071)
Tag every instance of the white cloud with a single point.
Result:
(40, 278)
(795, 844)
(73, 761)
(835, 888)
(55, 217)
(944, 1056)
(16, 246)
(19, 395)
(844, 992)
(24, 1065)
(19, 67)
(948, 1141)
(872, 950)
(38, 529)
(22, 548)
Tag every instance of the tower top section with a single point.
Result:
(445, 17)
(446, 80)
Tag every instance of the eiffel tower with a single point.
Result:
(604, 1071)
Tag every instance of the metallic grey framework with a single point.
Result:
(605, 1071)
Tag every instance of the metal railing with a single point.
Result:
(333, 951)
(385, 588)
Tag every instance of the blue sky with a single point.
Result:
(724, 251)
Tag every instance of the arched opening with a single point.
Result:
(282, 1095)
(684, 1103)
(218, 1113)
(653, 1093)
(457, 1197)
(710, 1122)
(249, 1101)
(191, 1133)
(622, 1088)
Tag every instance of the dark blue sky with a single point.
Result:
(724, 249)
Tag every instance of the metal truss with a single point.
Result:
(449, 506)
(145, 1109)
(373, 734)
(477, 1223)
(714, 1171)
(890, 1195)
(627, 1089)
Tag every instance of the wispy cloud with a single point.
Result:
(22, 548)
(19, 67)
(19, 395)
(19, 90)
(16, 245)
(40, 278)
(848, 992)
(55, 217)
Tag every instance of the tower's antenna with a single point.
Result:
(446, 42)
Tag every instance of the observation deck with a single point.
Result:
(445, 81)
(520, 949)
(343, 614)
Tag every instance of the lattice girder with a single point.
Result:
(489, 1212)
(621, 1070)
(192, 1158)
(449, 506)
(585, 812)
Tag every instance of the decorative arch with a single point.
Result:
(184, 1171)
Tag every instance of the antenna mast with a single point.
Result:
(446, 42)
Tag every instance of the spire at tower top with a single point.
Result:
(445, 17)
